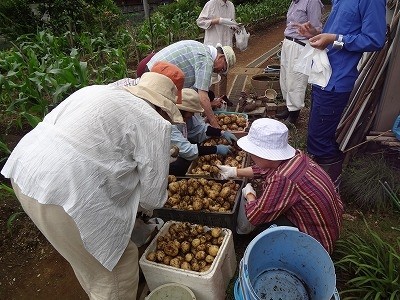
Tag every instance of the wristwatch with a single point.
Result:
(338, 44)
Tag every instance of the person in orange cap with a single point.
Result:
(160, 67)
(94, 161)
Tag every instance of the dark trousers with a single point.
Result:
(326, 111)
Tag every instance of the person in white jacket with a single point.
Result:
(217, 18)
(187, 137)
(94, 161)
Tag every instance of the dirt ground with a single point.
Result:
(30, 268)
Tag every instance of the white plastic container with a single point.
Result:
(205, 285)
(173, 291)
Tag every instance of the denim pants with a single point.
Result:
(325, 114)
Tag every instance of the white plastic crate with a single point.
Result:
(208, 285)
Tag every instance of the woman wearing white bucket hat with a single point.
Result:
(295, 190)
(187, 137)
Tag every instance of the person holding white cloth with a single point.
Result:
(293, 83)
(217, 18)
(295, 191)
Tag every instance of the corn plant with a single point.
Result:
(4, 151)
(42, 70)
(372, 265)
(266, 9)
(6, 190)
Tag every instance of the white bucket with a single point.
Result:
(171, 291)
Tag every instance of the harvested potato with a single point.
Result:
(210, 195)
(174, 187)
(207, 164)
(176, 247)
(232, 121)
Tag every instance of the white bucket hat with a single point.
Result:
(230, 56)
(190, 101)
(268, 139)
(159, 90)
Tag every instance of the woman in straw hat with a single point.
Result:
(188, 136)
(296, 191)
(83, 173)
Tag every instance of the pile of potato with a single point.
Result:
(187, 246)
(206, 165)
(232, 122)
(200, 194)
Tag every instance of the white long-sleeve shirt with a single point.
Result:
(215, 34)
(98, 154)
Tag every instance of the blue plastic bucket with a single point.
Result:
(283, 263)
(396, 128)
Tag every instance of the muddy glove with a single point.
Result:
(224, 150)
(248, 189)
(173, 152)
(226, 172)
(227, 22)
(145, 211)
(229, 136)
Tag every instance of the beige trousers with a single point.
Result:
(293, 84)
(61, 231)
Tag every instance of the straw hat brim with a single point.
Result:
(160, 91)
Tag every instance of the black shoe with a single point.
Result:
(293, 116)
(283, 114)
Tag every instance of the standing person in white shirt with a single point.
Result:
(218, 20)
(294, 84)
(94, 161)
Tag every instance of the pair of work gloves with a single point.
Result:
(227, 172)
(225, 149)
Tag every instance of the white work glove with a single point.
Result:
(248, 189)
(227, 22)
(226, 172)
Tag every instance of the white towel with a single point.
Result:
(314, 63)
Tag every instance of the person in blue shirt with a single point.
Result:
(353, 27)
(187, 137)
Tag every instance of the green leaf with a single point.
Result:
(12, 218)
(32, 120)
